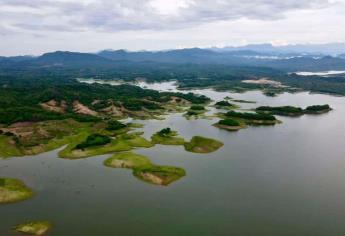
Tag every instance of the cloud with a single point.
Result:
(119, 15)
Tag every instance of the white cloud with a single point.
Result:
(36, 26)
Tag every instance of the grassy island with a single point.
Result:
(34, 228)
(13, 190)
(229, 124)
(200, 144)
(195, 111)
(167, 137)
(120, 143)
(282, 110)
(159, 175)
(252, 118)
(144, 170)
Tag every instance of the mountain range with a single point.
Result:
(287, 58)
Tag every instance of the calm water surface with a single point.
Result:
(273, 181)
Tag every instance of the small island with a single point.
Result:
(225, 105)
(167, 137)
(243, 101)
(317, 109)
(144, 170)
(229, 124)
(195, 111)
(294, 111)
(252, 118)
(34, 228)
(13, 190)
(200, 144)
(282, 110)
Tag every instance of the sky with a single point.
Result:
(33, 27)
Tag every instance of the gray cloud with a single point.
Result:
(117, 15)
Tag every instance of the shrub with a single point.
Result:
(197, 108)
(115, 125)
(229, 122)
(318, 108)
(250, 116)
(94, 140)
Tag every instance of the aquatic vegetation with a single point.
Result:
(34, 227)
(13, 190)
(200, 144)
(144, 170)
(167, 137)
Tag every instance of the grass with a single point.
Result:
(125, 142)
(168, 138)
(34, 227)
(144, 170)
(200, 144)
(7, 148)
(159, 175)
(13, 190)
(127, 160)
(43, 137)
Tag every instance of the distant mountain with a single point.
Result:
(118, 59)
(325, 49)
(61, 58)
(191, 55)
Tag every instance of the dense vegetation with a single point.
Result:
(224, 104)
(317, 108)
(282, 110)
(94, 140)
(20, 98)
(229, 122)
(250, 116)
(115, 125)
(293, 111)
(197, 108)
(165, 132)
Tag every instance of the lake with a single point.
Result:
(287, 179)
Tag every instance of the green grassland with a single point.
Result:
(144, 170)
(13, 190)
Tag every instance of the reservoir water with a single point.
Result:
(287, 179)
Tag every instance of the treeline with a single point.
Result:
(20, 98)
